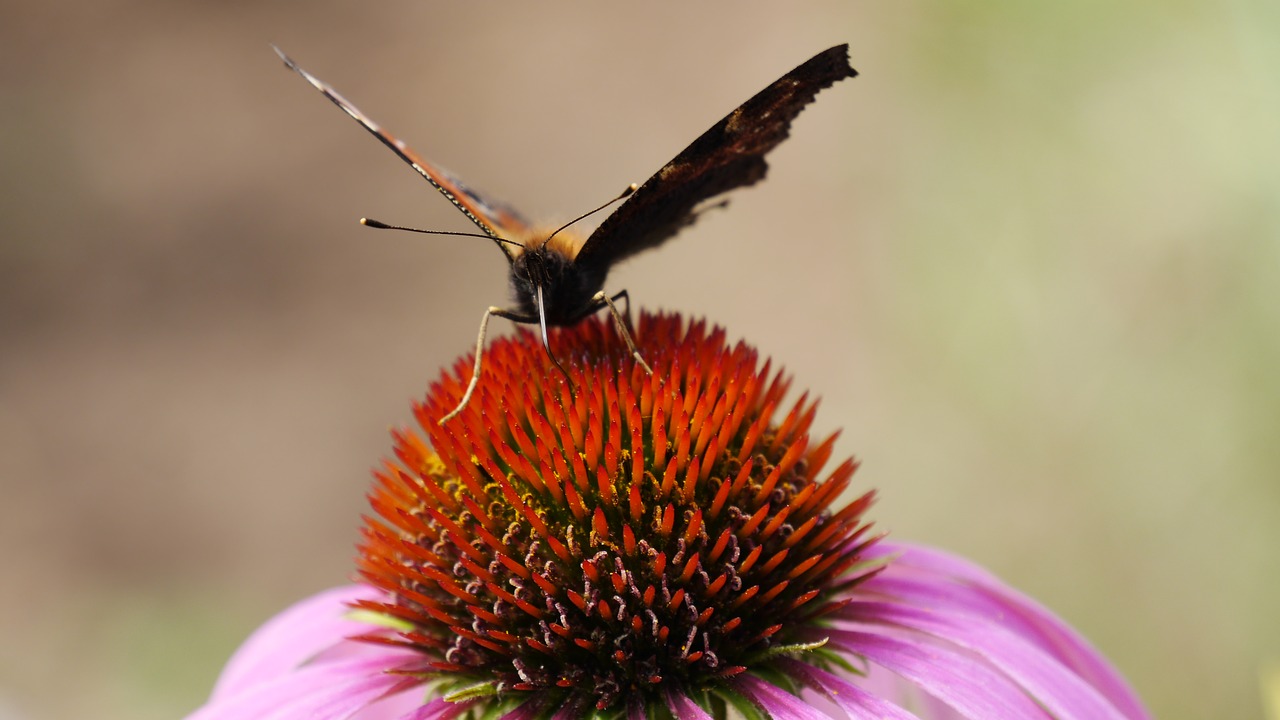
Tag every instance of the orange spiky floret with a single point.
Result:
(639, 530)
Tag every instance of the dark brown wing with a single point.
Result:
(497, 220)
(728, 156)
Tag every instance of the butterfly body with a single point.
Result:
(567, 287)
(557, 278)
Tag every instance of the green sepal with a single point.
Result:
(380, 619)
(471, 692)
(793, 649)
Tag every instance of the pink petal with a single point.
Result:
(778, 703)
(683, 707)
(291, 638)
(957, 678)
(326, 691)
(412, 703)
(858, 703)
(1051, 683)
(928, 578)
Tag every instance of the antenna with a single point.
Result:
(625, 193)
(370, 222)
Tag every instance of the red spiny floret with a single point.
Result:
(637, 530)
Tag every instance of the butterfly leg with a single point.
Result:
(625, 313)
(475, 373)
(599, 299)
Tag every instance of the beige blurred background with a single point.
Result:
(1030, 259)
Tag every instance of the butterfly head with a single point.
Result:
(567, 287)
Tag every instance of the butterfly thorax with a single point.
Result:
(567, 288)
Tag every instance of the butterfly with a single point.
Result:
(557, 277)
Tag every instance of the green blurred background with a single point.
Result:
(1030, 259)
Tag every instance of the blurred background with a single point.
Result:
(1030, 259)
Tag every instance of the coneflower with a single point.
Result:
(648, 546)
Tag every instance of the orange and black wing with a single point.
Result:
(495, 219)
(728, 156)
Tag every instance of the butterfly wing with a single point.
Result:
(728, 156)
(495, 219)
